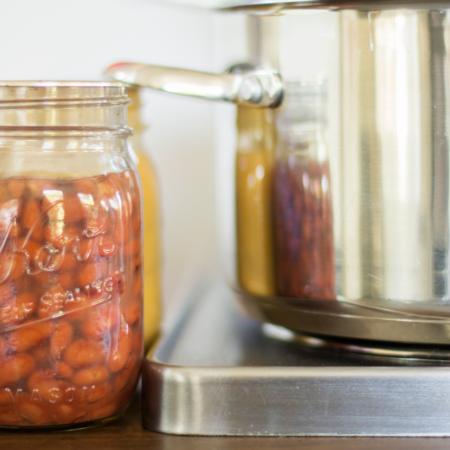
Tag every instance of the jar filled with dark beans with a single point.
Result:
(304, 250)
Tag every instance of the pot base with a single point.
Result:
(402, 353)
(349, 321)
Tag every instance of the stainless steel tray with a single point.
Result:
(218, 373)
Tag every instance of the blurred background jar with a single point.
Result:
(70, 255)
(151, 223)
(254, 165)
(304, 246)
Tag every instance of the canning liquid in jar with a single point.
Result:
(70, 267)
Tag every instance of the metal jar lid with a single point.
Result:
(55, 104)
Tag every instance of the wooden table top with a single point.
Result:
(127, 433)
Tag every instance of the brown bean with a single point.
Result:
(9, 417)
(32, 412)
(8, 291)
(92, 272)
(131, 311)
(44, 280)
(12, 266)
(97, 392)
(4, 348)
(44, 386)
(83, 353)
(137, 345)
(29, 336)
(6, 397)
(99, 320)
(61, 338)
(63, 370)
(31, 249)
(118, 281)
(133, 248)
(15, 368)
(31, 220)
(107, 190)
(41, 355)
(303, 228)
(62, 413)
(73, 209)
(90, 375)
(127, 377)
(137, 287)
(4, 195)
(121, 350)
(30, 214)
(85, 394)
(69, 262)
(68, 280)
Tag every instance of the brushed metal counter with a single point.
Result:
(217, 373)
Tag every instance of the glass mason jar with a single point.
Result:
(70, 255)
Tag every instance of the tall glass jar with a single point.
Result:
(304, 247)
(151, 223)
(70, 255)
(254, 229)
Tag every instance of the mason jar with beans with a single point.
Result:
(70, 255)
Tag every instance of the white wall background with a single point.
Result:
(54, 39)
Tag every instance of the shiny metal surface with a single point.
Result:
(359, 175)
(346, 320)
(410, 353)
(261, 88)
(393, 185)
(274, 6)
(217, 373)
(339, 199)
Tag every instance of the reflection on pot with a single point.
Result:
(284, 213)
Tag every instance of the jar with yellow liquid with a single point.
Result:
(151, 224)
(254, 161)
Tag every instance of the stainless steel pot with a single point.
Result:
(341, 195)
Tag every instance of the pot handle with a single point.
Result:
(257, 87)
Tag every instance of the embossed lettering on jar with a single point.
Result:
(70, 258)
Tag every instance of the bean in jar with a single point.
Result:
(70, 296)
(302, 198)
